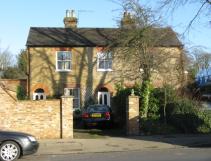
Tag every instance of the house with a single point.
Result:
(73, 61)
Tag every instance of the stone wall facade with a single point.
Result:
(43, 119)
(84, 73)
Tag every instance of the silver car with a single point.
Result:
(13, 145)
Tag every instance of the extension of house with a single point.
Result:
(73, 61)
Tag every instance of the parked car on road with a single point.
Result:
(13, 145)
(95, 115)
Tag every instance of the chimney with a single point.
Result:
(70, 21)
(127, 21)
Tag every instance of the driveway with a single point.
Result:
(96, 132)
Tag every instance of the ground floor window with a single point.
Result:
(104, 97)
(75, 92)
(39, 94)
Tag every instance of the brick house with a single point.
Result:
(72, 60)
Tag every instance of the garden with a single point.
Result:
(169, 111)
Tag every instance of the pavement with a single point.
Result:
(121, 144)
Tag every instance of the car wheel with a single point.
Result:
(9, 151)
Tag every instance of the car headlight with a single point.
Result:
(32, 138)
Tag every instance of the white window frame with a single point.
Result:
(39, 96)
(68, 93)
(64, 70)
(103, 98)
(99, 55)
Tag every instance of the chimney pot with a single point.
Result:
(70, 20)
(127, 21)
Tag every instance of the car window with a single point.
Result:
(97, 109)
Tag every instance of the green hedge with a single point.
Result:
(183, 115)
(187, 116)
(21, 93)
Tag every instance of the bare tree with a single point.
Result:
(6, 59)
(199, 60)
(204, 7)
(139, 48)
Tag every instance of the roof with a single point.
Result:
(86, 37)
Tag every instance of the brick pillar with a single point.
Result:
(67, 117)
(132, 114)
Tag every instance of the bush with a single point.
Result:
(21, 93)
(153, 126)
(186, 116)
(154, 104)
(77, 113)
(13, 73)
(167, 112)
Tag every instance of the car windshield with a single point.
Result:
(97, 108)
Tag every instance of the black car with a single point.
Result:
(95, 115)
(13, 145)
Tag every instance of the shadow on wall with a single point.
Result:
(83, 74)
(44, 72)
(88, 77)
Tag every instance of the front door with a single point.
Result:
(104, 98)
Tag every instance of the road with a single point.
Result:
(180, 154)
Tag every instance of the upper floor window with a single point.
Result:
(63, 61)
(104, 61)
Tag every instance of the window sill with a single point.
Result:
(104, 70)
(63, 70)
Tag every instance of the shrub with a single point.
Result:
(186, 116)
(77, 113)
(21, 93)
(152, 126)
(167, 112)
(154, 104)
(13, 73)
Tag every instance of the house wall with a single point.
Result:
(39, 118)
(171, 67)
(84, 72)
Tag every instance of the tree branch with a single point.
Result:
(196, 15)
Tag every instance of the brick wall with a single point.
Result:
(42, 119)
(12, 84)
(132, 115)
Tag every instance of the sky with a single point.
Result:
(17, 16)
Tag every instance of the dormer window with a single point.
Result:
(63, 61)
(104, 61)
